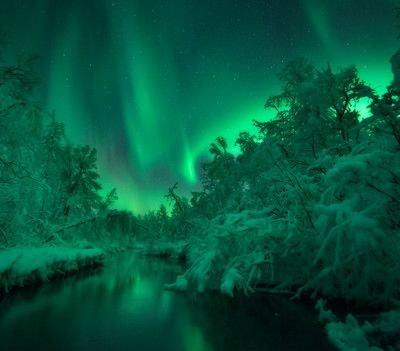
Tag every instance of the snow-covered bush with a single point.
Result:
(315, 194)
(378, 333)
(232, 254)
(357, 224)
(49, 188)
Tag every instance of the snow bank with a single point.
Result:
(24, 266)
(380, 332)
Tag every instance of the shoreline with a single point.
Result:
(26, 267)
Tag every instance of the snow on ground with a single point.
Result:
(25, 266)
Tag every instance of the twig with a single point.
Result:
(383, 192)
(3, 233)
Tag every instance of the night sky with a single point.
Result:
(152, 83)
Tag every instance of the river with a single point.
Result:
(123, 306)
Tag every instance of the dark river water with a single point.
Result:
(124, 307)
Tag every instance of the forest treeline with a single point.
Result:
(309, 207)
(49, 188)
(310, 203)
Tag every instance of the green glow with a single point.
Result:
(194, 339)
(240, 119)
(152, 84)
(377, 75)
(63, 83)
(189, 162)
(319, 17)
(131, 196)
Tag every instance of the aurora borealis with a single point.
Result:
(151, 84)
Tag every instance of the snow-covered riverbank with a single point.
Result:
(25, 266)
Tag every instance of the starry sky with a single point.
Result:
(152, 83)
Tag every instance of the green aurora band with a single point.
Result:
(152, 84)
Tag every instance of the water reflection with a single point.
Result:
(124, 307)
